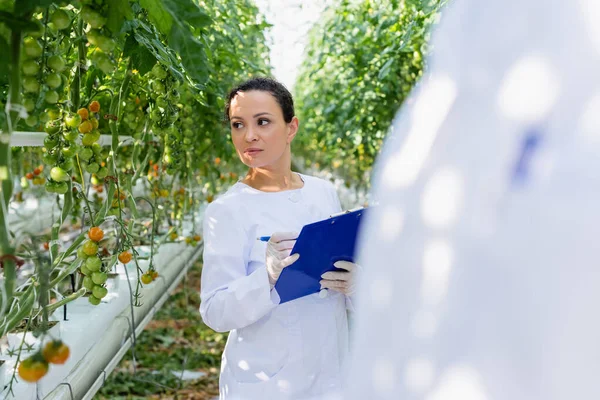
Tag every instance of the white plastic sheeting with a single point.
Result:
(482, 269)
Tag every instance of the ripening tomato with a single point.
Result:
(85, 126)
(83, 113)
(29, 175)
(73, 120)
(146, 278)
(96, 234)
(90, 248)
(94, 106)
(56, 352)
(33, 368)
(125, 257)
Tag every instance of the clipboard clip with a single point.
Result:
(346, 212)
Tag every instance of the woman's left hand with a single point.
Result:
(341, 281)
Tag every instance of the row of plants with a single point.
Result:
(362, 61)
(150, 74)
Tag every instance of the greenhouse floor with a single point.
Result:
(177, 356)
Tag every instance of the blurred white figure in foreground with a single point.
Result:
(483, 260)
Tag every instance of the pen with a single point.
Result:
(267, 238)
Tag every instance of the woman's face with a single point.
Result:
(259, 133)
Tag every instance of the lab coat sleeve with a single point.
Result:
(336, 208)
(230, 298)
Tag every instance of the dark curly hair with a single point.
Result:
(277, 90)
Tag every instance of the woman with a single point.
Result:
(294, 350)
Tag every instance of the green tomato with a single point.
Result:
(93, 263)
(57, 63)
(52, 127)
(67, 164)
(31, 85)
(161, 101)
(73, 120)
(60, 19)
(94, 300)
(69, 151)
(155, 115)
(99, 291)
(50, 141)
(24, 183)
(92, 168)
(81, 254)
(59, 175)
(32, 48)
(92, 17)
(86, 153)
(158, 87)
(61, 188)
(90, 138)
(159, 72)
(85, 270)
(97, 149)
(49, 158)
(102, 173)
(53, 80)
(99, 278)
(96, 38)
(71, 135)
(53, 113)
(50, 187)
(88, 283)
(29, 104)
(30, 68)
(51, 97)
(103, 62)
(31, 121)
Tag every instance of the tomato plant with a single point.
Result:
(363, 59)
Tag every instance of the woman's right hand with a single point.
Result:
(278, 255)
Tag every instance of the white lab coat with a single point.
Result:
(294, 350)
(489, 207)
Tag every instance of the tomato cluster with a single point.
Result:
(35, 367)
(92, 267)
(149, 276)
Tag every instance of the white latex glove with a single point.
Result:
(278, 252)
(341, 281)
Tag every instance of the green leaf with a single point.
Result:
(191, 52)
(118, 12)
(190, 11)
(148, 39)
(158, 15)
(16, 23)
(385, 70)
(141, 58)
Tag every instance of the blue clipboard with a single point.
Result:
(319, 244)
